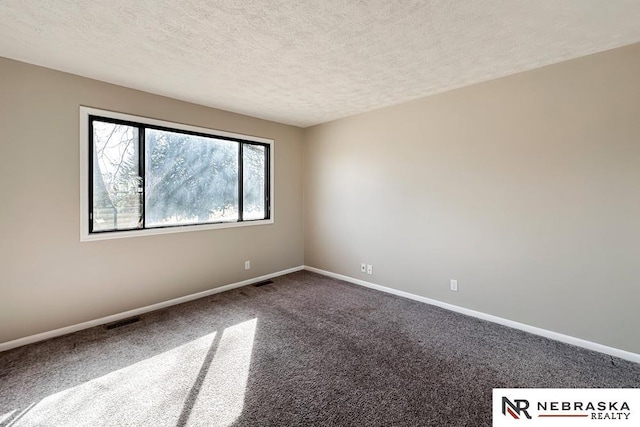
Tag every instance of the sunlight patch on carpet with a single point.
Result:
(5, 417)
(221, 397)
(152, 389)
(204, 379)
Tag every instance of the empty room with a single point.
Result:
(331, 213)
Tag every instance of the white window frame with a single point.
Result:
(86, 236)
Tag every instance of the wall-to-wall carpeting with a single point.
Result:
(303, 350)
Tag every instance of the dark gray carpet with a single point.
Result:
(304, 350)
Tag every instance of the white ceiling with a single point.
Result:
(309, 61)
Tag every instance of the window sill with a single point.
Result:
(109, 235)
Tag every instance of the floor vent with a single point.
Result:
(264, 282)
(123, 322)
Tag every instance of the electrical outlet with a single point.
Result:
(363, 267)
(369, 269)
(453, 285)
(247, 265)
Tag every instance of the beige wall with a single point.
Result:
(48, 279)
(525, 189)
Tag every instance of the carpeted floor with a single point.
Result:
(304, 350)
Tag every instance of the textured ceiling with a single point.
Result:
(312, 61)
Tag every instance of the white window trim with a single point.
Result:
(85, 236)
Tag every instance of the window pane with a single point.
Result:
(253, 182)
(116, 178)
(189, 179)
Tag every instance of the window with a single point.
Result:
(144, 176)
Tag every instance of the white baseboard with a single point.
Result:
(622, 354)
(138, 311)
